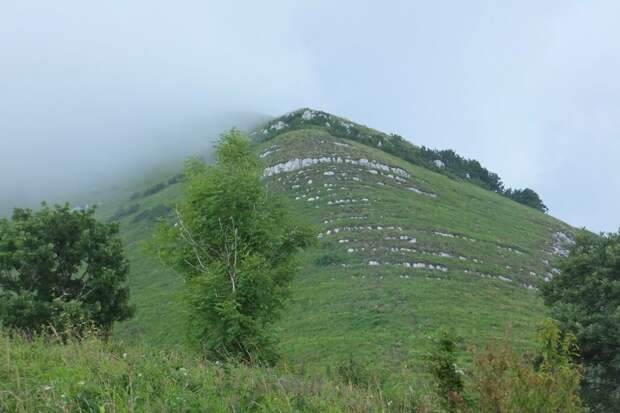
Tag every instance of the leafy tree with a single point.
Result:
(235, 245)
(61, 268)
(527, 197)
(469, 169)
(585, 298)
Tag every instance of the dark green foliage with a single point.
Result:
(152, 214)
(527, 197)
(61, 268)
(463, 168)
(234, 243)
(453, 165)
(329, 259)
(442, 366)
(176, 179)
(585, 298)
(153, 189)
(125, 211)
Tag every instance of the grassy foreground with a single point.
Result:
(93, 376)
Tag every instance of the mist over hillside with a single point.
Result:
(72, 165)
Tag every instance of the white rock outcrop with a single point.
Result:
(417, 191)
(561, 243)
(299, 163)
(308, 114)
(279, 125)
(439, 163)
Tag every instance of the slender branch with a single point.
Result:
(227, 253)
(230, 266)
(187, 236)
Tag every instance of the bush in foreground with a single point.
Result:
(503, 381)
(61, 268)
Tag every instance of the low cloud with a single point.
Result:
(92, 91)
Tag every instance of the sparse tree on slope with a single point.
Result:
(63, 269)
(527, 197)
(235, 245)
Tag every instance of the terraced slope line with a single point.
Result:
(384, 213)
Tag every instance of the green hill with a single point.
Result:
(404, 245)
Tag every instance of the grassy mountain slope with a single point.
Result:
(401, 250)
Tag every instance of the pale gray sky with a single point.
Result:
(529, 88)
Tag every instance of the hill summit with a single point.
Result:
(377, 210)
(446, 162)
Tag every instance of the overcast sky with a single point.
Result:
(529, 88)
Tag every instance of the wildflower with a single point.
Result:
(124, 355)
(47, 387)
(81, 383)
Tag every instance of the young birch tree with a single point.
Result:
(234, 243)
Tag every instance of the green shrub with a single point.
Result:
(504, 381)
(61, 269)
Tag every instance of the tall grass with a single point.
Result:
(53, 374)
(44, 375)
